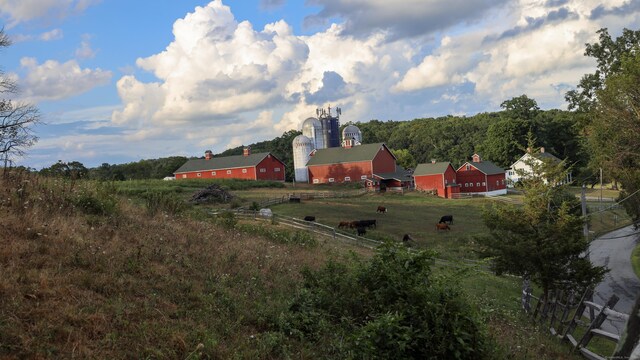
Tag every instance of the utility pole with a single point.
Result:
(583, 200)
(600, 185)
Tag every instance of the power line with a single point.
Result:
(618, 237)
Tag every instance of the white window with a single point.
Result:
(484, 184)
(213, 173)
(244, 171)
(446, 182)
(228, 171)
(497, 182)
(363, 177)
(466, 184)
(276, 169)
(184, 176)
(315, 181)
(468, 167)
(478, 184)
(347, 178)
(332, 179)
(199, 174)
(503, 182)
(263, 170)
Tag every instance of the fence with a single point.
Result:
(564, 312)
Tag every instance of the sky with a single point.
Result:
(118, 81)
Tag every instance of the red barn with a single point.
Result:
(482, 177)
(345, 164)
(261, 166)
(437, 176)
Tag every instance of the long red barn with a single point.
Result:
(260, 166)
(479, 176)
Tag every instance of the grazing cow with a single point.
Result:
(309, 218)
(381, 209)
(355, 224)
(362, 230)
(442, 226)
(406, 238)
(446, 219)
(368, 223)
(344, 224)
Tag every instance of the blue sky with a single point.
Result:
(119, 81)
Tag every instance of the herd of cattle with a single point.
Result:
(361, 226)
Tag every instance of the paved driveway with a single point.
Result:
(613, 250)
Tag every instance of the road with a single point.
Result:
(613, 250)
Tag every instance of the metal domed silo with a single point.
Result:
(302, 147)
(312, 129)
(352, 132)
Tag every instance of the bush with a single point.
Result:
(168, 203)
(227, 219)
(100, 200)
(387, 307)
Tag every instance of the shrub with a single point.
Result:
(387, 307)
(168, 203)
(227, 219)
(100, 200)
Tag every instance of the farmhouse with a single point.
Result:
(350, 163)
(439, 177)
(248, 166)
(481, 177)
(521, 168)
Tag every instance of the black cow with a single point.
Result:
(309, 218)
(447, 219)
(368, 223)
(406, 238)
(362, 231)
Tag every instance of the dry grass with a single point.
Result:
(131, 285)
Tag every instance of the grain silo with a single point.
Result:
(352, 133)
(312, 129)
(302, 147)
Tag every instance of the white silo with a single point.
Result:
(312, 128)
(302, 147)
(352, 132)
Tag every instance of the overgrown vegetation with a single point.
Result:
(390, 306)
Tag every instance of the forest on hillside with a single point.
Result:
(500, 137)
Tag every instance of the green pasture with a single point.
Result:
(413, 213)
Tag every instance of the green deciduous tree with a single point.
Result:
(541, 239)
(404, 158)
(613, 133)
(608, 54)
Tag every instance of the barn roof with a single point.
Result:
(401, 174)
(486, 167)
(340, 155)
(432, 168)
(226, 162)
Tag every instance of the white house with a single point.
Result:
(522, 167)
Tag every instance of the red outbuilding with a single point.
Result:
(248, 166)
(481, 177)
(439, 177)
(350, 163)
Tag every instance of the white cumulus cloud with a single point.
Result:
(53, 80)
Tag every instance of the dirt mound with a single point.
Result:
(211, 194)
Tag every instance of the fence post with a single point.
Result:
(526, 295)
(565, 312)
(579, 311)
(597, 322)
(554, 306)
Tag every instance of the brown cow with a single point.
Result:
(381, 209)
(344, 224)
(442, 226)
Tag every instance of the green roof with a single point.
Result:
(486, 167)
(218, 163)
(401, 174)
(432, 168)
(340, 155)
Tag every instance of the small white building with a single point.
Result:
(522, 167)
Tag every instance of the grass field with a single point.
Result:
(635, 260)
